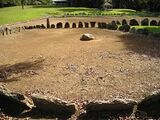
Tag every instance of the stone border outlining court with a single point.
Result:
(52, 105)
(102, 25)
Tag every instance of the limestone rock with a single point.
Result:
(111, 105)
(53, 105)
(14, 102)
(87, 37)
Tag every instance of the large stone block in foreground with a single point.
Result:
(14, 103)
(52, 105)
(111, 105)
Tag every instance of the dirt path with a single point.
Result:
(113, 65)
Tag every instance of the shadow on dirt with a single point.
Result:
(141, 44)
(104, 115)
(37, 114)
(9, 73)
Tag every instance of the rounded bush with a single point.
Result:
(143, 31)
(124, 22)
(133, 22)
(124, 28)
(145, 22)
(133, 30)
(111, 26)
(118, 23)
(153, 23)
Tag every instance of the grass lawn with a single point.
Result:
(152, 29)
(15, 14)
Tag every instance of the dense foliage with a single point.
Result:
(86, 3)
(149, 5)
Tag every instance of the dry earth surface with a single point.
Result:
(115, 64)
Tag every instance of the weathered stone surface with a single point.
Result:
(53, 105)
(151, 98)
(151, 104)
(113, 105)
(48, 23)
(14, 102)
(153, 23)
(59, 25)
(38, 26)
(80, 25)
(52, 26)
(87, 37)
(145, 22)
(133, 22)
(93, 24)
(99, 24)
(74, 25)
(86, 25)
(66, 25)
(42, 26)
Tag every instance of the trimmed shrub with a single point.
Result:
(103, 25)
(153, 23)
(133, 22)
(143, 31)
(145, 22)
(133, 30)
(66, 25)
(99, 25)
(124, 22)
(111, 26)
(124, 28)
(118, 23)
(159, 23)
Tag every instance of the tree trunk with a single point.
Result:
(22, 3)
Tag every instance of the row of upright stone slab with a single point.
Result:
(8, 30)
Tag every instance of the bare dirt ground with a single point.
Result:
(116, 64)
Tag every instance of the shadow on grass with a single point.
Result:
(9, 73)
(141, 44)
(45, 6)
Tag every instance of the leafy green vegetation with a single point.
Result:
(151, 29)
(15, 14)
